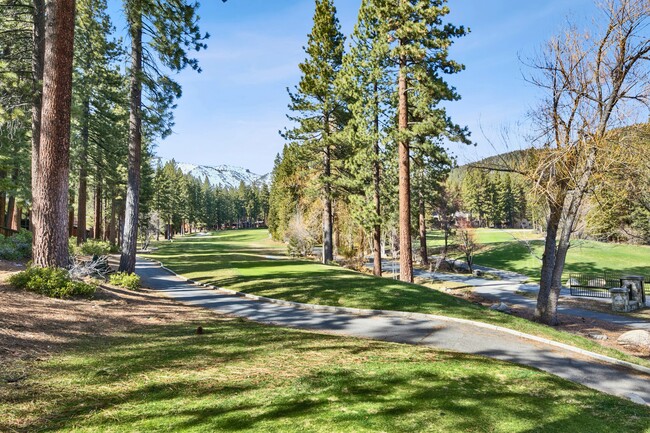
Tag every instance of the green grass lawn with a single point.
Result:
(583, 257)
(504, 249)
(240, 376)
(435, 238)
(238, 260)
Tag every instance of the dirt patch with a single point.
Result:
(34, 326)
(605, 307)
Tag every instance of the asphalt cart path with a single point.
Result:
(418, 329)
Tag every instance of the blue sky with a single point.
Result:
(231, 113)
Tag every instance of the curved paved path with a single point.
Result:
(506, 290)
(432, 332)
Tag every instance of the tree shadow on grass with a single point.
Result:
(509, 257)
(242, 376)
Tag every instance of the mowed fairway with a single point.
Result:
(584, 257)
(239, 376)
(521, 251)
(248, 261)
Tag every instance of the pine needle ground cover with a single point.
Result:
(248, 261)
(240, 376)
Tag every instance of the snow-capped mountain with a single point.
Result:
(223, 175)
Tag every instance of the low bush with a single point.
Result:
(128, 281)
(93, 247)
(16, 247)
(299, 239)
(52, 282)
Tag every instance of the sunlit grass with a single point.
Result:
(521, 251)
(240, 376)
(239, 260)
(583, 257)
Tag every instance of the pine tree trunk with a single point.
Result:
(328, 254)
(98, 208)
(50, 197)
(10, 211)
(130, 234)
(106, 222)
(82, 197)
(3, 201)
(17, 218)
(38, 59)
(120, 226)
(14, 180)
(446, 246)
(112, 231)
(71, 221)
(3, 206)
(405, 258)
(376, 179)
(423, 231)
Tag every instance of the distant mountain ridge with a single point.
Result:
(223, 175)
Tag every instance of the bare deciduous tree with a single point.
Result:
(593, 81)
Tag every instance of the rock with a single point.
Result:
(597, 336)
(638, 337)
(477, 273)
(636, 398)
(500, 307)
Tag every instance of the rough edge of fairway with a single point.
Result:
(404, 314)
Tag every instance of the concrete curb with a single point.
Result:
(409, 315)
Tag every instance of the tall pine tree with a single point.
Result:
(316, 109)
(161, 35)
(420, 42)
(367, 86)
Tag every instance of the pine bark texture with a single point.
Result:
(11, 203)
(52, 160)
(376, 178)
(82, 197)
(98, 218)
(328, 251)
(38, 59)
(112, 226)
(130, 232)
(405, 249)
(423, 231)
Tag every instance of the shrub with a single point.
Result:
(300, 242)
(16, 247)
(73, 249)
(128, 281)
(52, 282)
(93, 247)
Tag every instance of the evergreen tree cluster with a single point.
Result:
(182, 203)
(495, 199)
(117, 112)
(339, 172)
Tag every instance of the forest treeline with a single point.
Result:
(183, 203)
